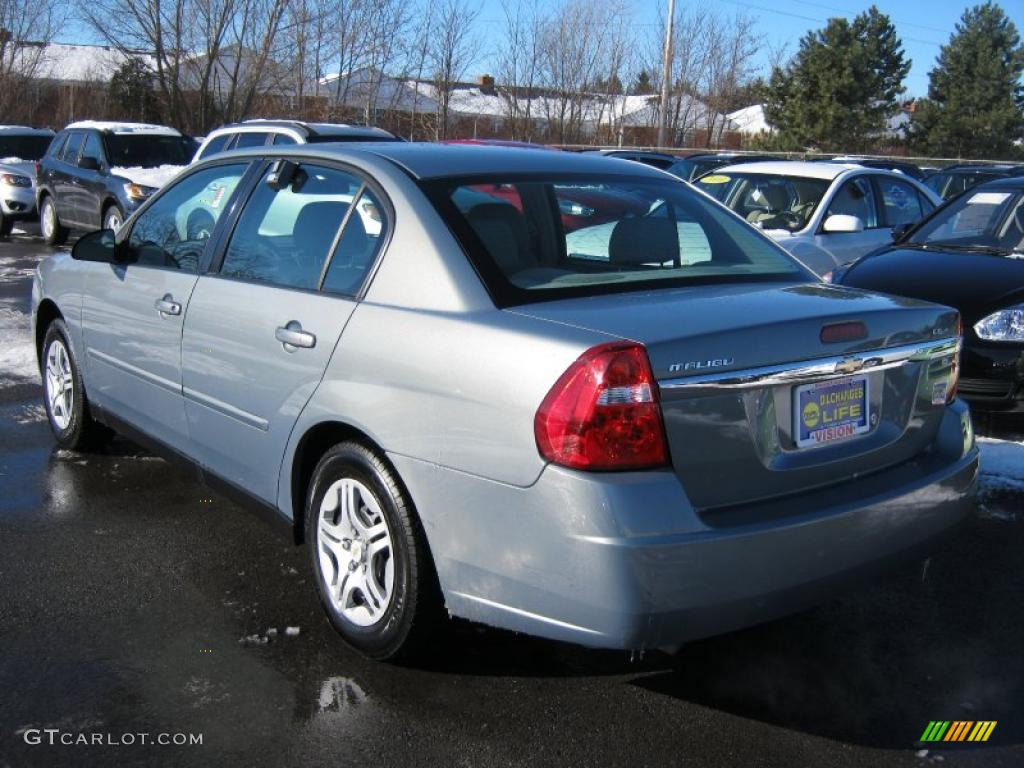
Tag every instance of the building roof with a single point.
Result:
(750, 120)
(78, 63)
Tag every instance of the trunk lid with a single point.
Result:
(737, 439)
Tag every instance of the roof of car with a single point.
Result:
(426, 160)
(982, 168)
(1007, 182)
(145, 129)
(813, 170)
(24, 130)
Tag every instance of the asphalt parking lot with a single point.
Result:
(134, 600)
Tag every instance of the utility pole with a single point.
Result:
(666, 76)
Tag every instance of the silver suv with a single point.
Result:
(258, 133)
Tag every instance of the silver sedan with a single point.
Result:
(559, 394)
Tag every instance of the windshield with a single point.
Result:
(765, 200)
(689, 169)
(23, 147)
(977, 220)
(142, 151)
(533, 239)
(949, 185)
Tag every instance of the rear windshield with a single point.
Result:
(23, 147)
(536, 239)
(142, 151)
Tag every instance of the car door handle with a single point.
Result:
(292, 335)
(167, 305)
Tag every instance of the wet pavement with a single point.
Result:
(134, 600)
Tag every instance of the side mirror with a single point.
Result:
(840, 222)
(88, 163)
(901, 229)
(97, 246)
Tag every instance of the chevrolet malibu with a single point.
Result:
(460, 412)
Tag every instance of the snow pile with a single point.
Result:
(1002, 465)
(146, 129)
(148, 177)
(18, 352)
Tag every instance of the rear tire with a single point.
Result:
(67, 407)
(369, 555)
(49, 224)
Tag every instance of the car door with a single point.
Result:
(65, 178)
(260, 332)
(854, 197)
(92, 184)
(132, 312)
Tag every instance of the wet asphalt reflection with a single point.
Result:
(134, 600)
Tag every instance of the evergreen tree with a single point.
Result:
(975, 98)
(131, 91)
(841, 87)
(643, 86)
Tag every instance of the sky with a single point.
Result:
(923, 25)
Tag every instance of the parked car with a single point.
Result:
(956, 179)
(822, 213)
(660, 160)
(694, 166)
(258, 133)
(460, 413)
(968, 254)
(20, 148)
(886, 163)
(94, 174)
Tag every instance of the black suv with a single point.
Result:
(95, 174)
(953, 180)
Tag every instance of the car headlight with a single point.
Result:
(138, 192)
(1004, 325)
(14, 180)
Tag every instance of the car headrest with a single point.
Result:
(644, 241)
(317, 224)
(503, 232)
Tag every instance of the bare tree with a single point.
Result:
(733, 46)
(517, 64)
(451, 48)
(26, 28)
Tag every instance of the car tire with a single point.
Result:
(49, 223)
(113, 217)
(67, 408)
(370, 559)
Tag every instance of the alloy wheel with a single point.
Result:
(60, 391)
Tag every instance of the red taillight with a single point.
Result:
(837, 332)
(603, 412)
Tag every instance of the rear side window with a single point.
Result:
(283, 139)
(536, 239)
(69, 153)
(173, 231)
(287, 237)
(900, 202)
(215, 145)
(250, 140)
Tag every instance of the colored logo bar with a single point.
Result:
(958, 730)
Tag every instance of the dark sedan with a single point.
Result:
(969, 254)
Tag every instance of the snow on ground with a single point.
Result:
(17, 352)
(1002, 475)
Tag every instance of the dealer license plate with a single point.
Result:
(830, 411)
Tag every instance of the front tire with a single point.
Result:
(113, 217)
(369, 555)
(67, 408)
(49, 223)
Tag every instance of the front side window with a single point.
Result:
(900, 202)
(172, 233)
(855, 198)
(535, 239)
(767, 201)
(287, 235)
(93, 148)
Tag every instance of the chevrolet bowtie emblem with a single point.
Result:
(849, 365)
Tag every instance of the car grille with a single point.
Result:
(985, 387)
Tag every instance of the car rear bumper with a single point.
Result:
(623, 561)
